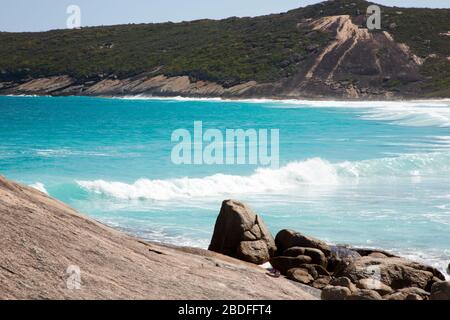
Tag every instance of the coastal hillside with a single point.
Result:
(319, 51)
(49, 251)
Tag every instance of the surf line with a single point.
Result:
(232, 147)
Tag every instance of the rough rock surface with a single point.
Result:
(440, 291)
(344, 282)
(242, 234)
(397, 273)
(352, 45)
(283, 264)
(45, 85)
(416, 291)
(287, 239)
(335, 293)
(373, 253)
(317, 256)
(365, 294)
(408, 294)
(300, 275)
(343, 252)
(375, 285)
(321, 282)
(41, 238)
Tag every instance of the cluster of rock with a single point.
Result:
(340, 272)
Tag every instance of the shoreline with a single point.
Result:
(242, 100)
(397, 253)
(439, 263)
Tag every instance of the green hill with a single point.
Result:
(264, 49)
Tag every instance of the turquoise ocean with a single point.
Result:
(371, 174)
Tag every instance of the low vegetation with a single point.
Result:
(228, 51)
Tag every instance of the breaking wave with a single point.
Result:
(406, 113)
(415, 113)
(293, 176)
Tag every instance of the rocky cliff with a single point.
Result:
(49, 251)
(320, 51)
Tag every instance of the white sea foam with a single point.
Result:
(177, 98)
(300, 102)
(61, 153)
(418, 113)
(39, 186)
(287, 179)
(313, 171)
(27, 95)
(407, 165)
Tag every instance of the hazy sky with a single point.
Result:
(39, 15)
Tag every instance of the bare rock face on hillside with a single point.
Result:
(49, 251)
(241, 233)
(371, 60)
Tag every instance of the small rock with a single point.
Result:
(416, 291)
(286, 239)
(253, 251)
(433, 281)
(376, 285)
(299, 275)
(364, 294)
(377, 255)
(396, 296)
(373, 252)
(316, 255)
(320, 269)
(413, 296)
(311, 270)
(283, 264)
(344, 282)
(335, 264)
(344, 252)
(440, 291)
(316, 270)
(321, 282)
(335, 293)
(403, 296)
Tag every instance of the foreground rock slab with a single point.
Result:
(42, 239)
